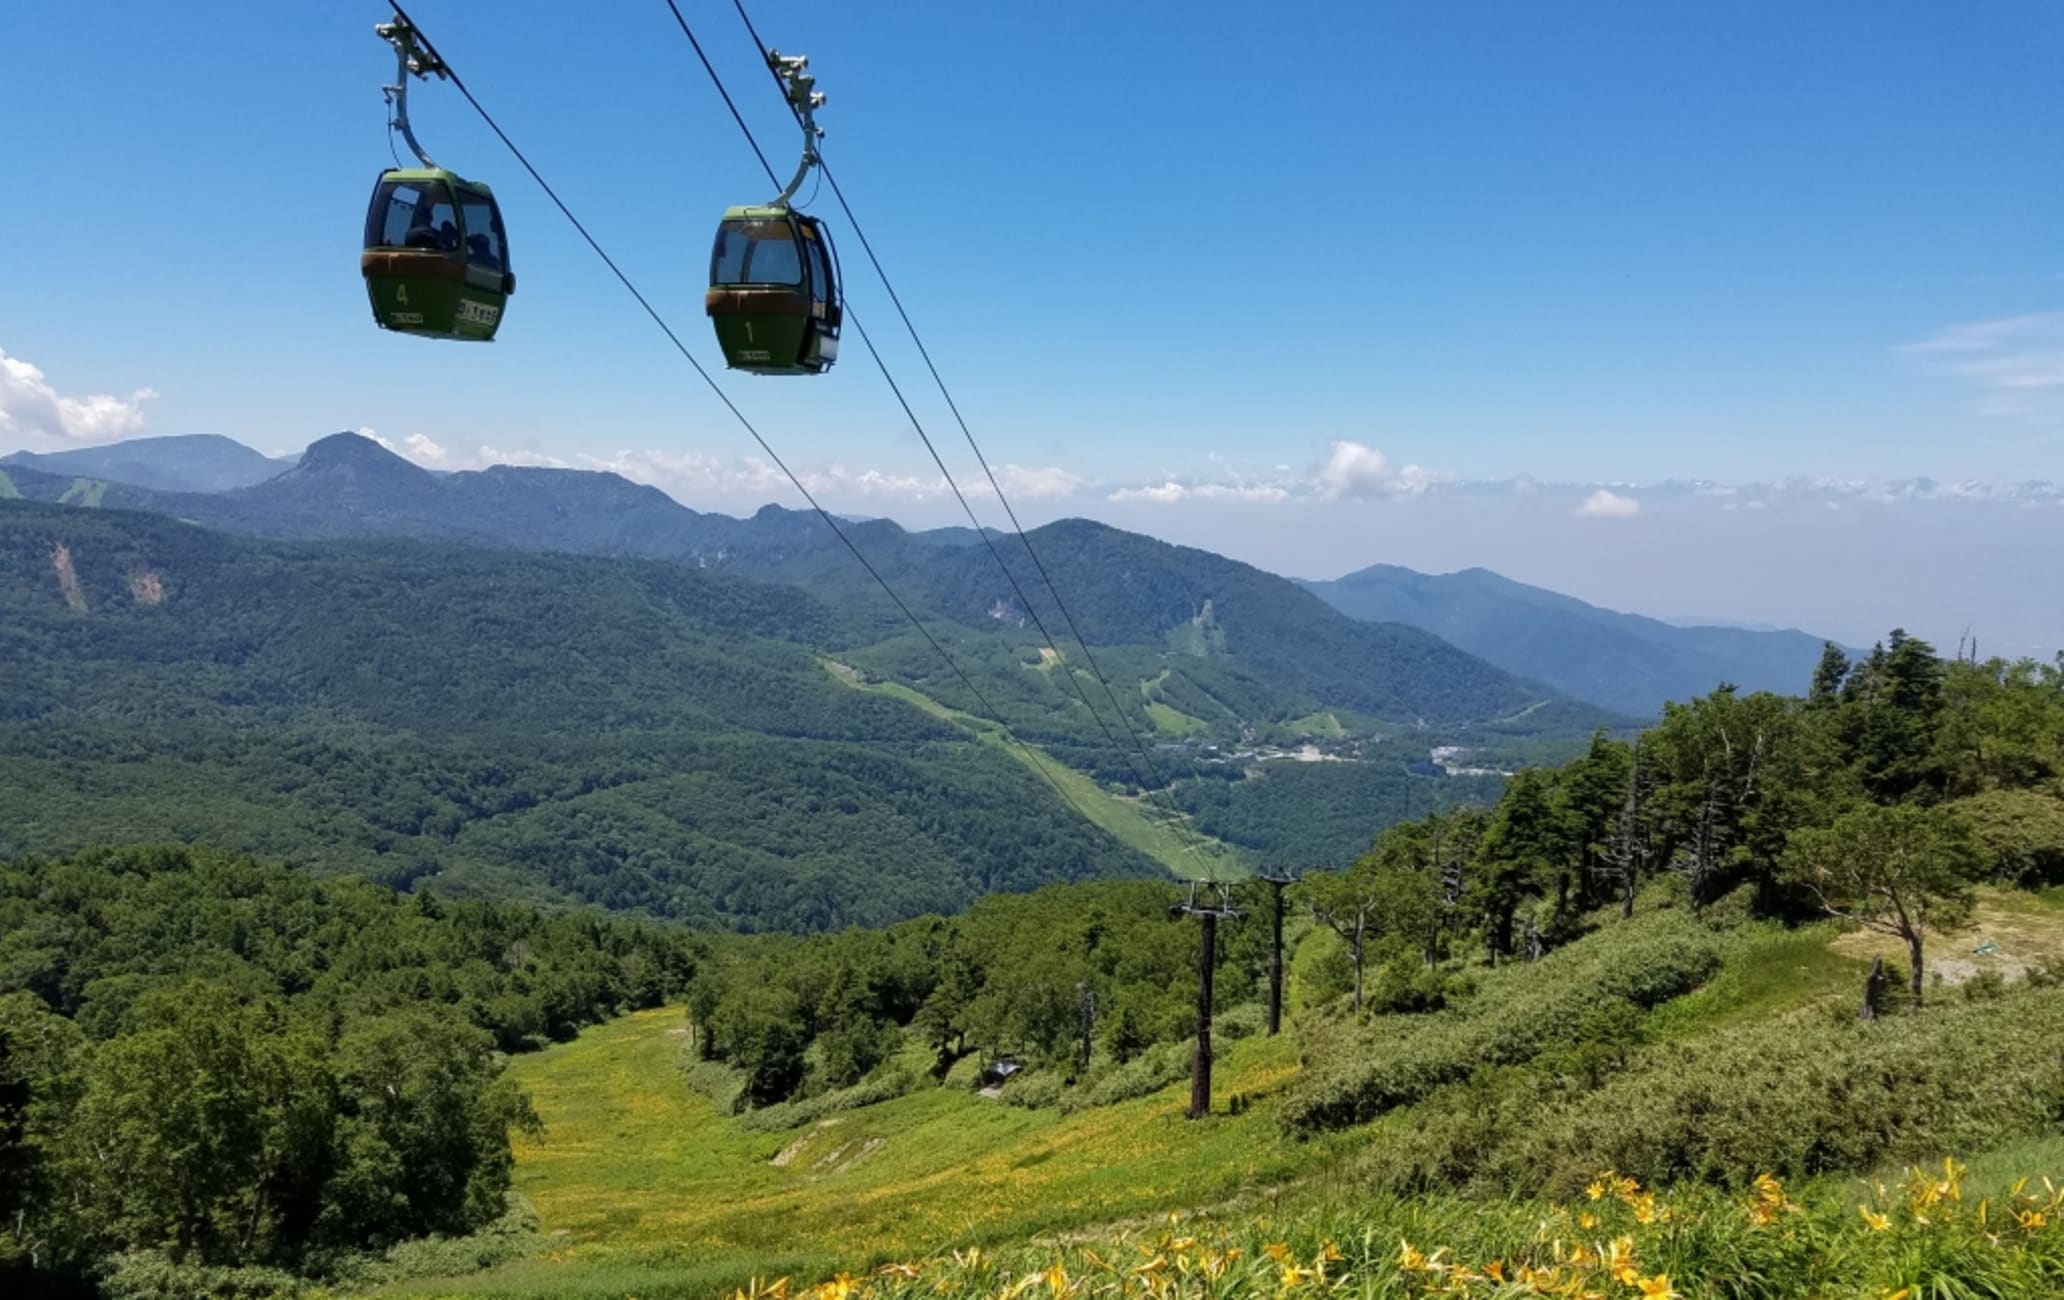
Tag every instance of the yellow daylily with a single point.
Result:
(1656, 1288)
(1617, 1259)
(1878, 1222)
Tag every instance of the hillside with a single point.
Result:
(1623, 662)
(1248, 647)
(642, 736)
(203, 462)
(1599, 1037)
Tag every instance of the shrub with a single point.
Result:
(886, 1086)
(1797, 1097)
(1358, 1072)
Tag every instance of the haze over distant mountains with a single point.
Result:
(200, 462)
(562, 683)
(346, 485)
(1618, 661)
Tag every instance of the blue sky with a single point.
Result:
(1181, 262)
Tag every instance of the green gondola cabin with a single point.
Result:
(774, 292)
(436, 259)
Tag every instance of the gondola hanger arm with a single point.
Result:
(414, 57)
(804, 99)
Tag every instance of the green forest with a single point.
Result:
(396, 788)
(648, 737)
(213, 1068)
(219, 1063)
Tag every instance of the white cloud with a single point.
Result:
(1035, 484)
(1166, 494)
(1354, 469)
(1357, 471)
(36, 417)
(1170, 492)
(1605, 504)
(703, 476)
(2016, 363)
(496, 456)
(425, 452)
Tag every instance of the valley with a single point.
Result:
(765, 939)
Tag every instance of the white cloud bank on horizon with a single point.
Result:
(2015, 362)
(35, 414)
(1607, 504)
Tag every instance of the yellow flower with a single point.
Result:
(842, 1287)
(1294, 1276)
(1277, 1251)
(1617, 1259)
(2030, 1220)
(1587, 1220)
(1596, 1191)
(1331, 1253)
(1495, 1270)
(1878, 1222)
(1656, 1288)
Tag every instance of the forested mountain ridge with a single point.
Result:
(1624, 662)
(201, 462)
(639, 735)
(1260, 648)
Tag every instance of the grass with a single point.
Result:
(1167, 719)
(2025, 928)
(84, 492)
(1324, 725)
(8, 491)
(1764, 972)
(645, 1190)
(1145, 828)
(642, 1189)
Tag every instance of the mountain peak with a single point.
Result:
(358, 456)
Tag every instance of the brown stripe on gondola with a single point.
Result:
(412, 265)
(756, 302)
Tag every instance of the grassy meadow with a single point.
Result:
(641, 1188)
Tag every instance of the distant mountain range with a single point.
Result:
(564, 684)
(1254, 647)
(1623, 662)
(632, 734)
(201, 462)
(1126, 588)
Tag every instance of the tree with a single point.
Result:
(1632, 846)
(2022, 833)
(1890, 715)
(1900, 870)
(1589, 799)
(1828, 675)
(1517, 856)
(202, 1133)
(1344, 902)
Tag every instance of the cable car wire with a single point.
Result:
(1046, 578)
(981, 531)
(867, 246)
(829, 521)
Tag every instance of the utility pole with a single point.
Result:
(1207, 911)
(1277, 879)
